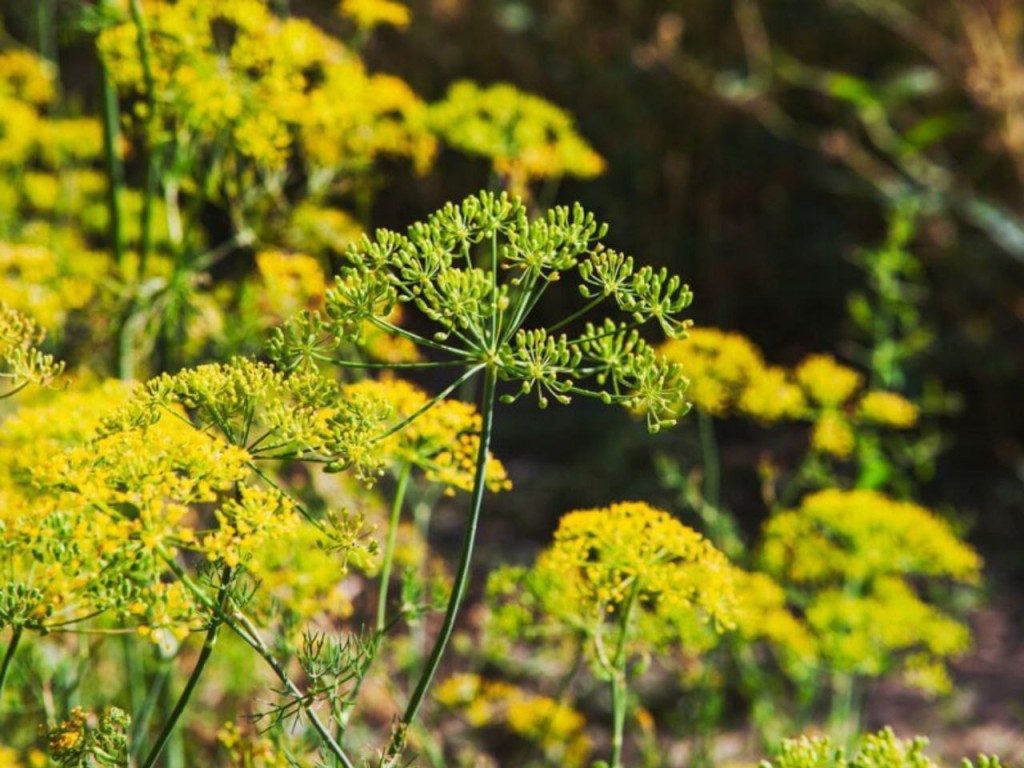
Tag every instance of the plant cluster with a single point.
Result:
(240, 545)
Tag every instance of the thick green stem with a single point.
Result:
(9, 658)
(389, 545)
(462, 572)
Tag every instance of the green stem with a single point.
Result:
(577, 314)
(140, 719)
(133, 675)
(193, 680)
(389, 546)
(843, 717)
(620, 689)
(712, 465)
(149, 181)
(395, 366)
(423, 409)
(115, 169)
(9, 657)
(465, 558)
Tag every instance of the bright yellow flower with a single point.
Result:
(888, 409)
(771, 396)
(833, 435)
(826, 381)
(719, 365)
(677, 584)
(291, 282)
(26, 77)
(372, 13)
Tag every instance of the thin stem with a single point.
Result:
(197, 672)
(494, 289)
(416, 338)
(843, 715)
(245, 629)
(712, 465)
(423, 409)
(9, 657)
(577, 314)
(149, 181)
(530, 300)
(620, 690)
(389, 546)
(115, 169)
(140, 719)
(399, 366)
(465, 558)
(605, 334)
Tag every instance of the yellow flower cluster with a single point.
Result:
(95, 510)
(830, 389)
(762, 613)
(719, 364)
(827, 382)
(26, 77)
(631, 547)
(51, 201)
(235, 71)
(859, 535)
(555, 727)
(290, 283)
(525, 136)
(848, 557)
(442, 441)
(368, 14)
(628, 558)
(887, 409)
(728, 375)
(85, 739)
(39, 282)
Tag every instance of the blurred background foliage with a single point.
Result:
(760, 150)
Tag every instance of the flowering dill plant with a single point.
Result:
(858, 563)
(475, 271)
(621, 582)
